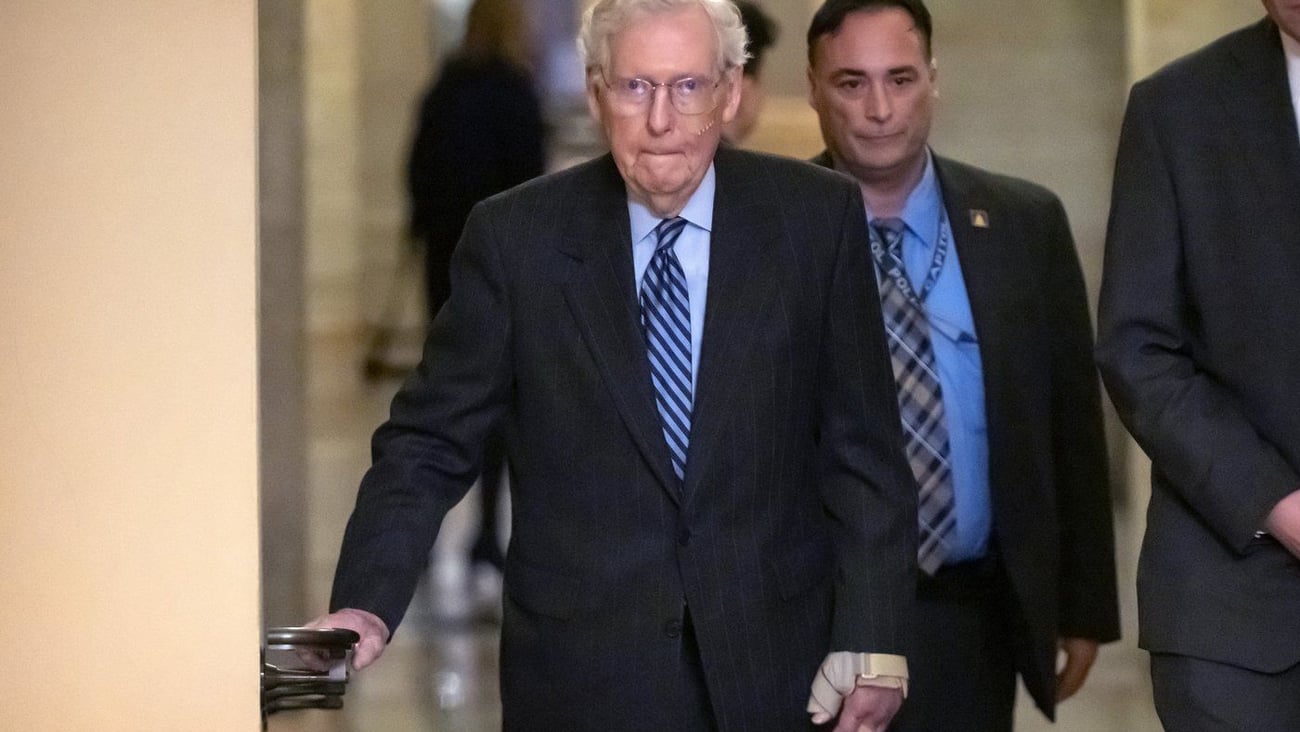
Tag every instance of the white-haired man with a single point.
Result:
(709, 494)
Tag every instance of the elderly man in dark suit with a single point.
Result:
(1200, 348)
(709, 493)
(991, 340)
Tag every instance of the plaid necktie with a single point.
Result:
(920, 399)
(666, 325)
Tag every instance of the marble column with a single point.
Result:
(281, 313)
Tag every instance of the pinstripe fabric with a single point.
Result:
(789, 486)
(920, 398)
(666, 326)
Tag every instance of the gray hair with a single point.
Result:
(605, 18)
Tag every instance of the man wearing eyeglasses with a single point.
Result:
(991, 342)
(711, 509)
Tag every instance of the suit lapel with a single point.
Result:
(741, 279)
(1256, 98)
(982, 251)
(603, 299)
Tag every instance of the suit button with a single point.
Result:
(673, 628)
(684, 537)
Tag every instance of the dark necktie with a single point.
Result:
(920, 399)
(666, 324)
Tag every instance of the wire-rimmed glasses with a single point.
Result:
(690, 95)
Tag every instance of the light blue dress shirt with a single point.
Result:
(957, 356)
(692, 249)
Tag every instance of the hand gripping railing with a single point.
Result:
(300, 686)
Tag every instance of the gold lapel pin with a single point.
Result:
(979, 218)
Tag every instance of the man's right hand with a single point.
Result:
(1284, 523)
(374, 634)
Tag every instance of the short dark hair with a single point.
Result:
(762, 34)
(830, 16)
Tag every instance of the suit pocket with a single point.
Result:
(542, 591)
(802, 569)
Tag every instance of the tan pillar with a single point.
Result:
(128, 380)
(395, 61)
(281, 313)
(1161, 30)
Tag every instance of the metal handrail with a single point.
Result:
(321, 679)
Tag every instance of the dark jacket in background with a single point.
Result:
(480, 132)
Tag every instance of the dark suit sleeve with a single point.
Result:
(1089, 605)
(868, 486)
(1194, 429)
(427, 454)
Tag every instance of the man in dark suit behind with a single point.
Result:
(1017, 553)
(1199, 347)
(681, 558)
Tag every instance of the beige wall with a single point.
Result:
(1162, 30)
(331, 155)
(128, 472)
(364, 67)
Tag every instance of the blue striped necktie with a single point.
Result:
(920, 399)
(666, 325)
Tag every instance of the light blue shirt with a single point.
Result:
(957, 357)
(692, 250)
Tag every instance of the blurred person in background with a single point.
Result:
(762, 31)
(480, 132)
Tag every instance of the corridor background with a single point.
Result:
(1030, 88)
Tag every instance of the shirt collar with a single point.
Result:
(1291, 47)
(697, 211)
(921, 211)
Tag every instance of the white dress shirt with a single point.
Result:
(1292, 49)
(692, 249)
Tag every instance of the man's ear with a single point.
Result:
(732, 75)
(593, 95)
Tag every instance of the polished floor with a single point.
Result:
(440, 671)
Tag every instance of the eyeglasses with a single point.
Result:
(691, 95)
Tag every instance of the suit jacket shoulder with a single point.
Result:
(774, 176)
(966, 179)
(779, 166)
(597, 177)
(744, 178)
(1205, 65)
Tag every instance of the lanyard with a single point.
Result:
(892, 266)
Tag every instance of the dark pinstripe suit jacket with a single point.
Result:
(794, 531)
